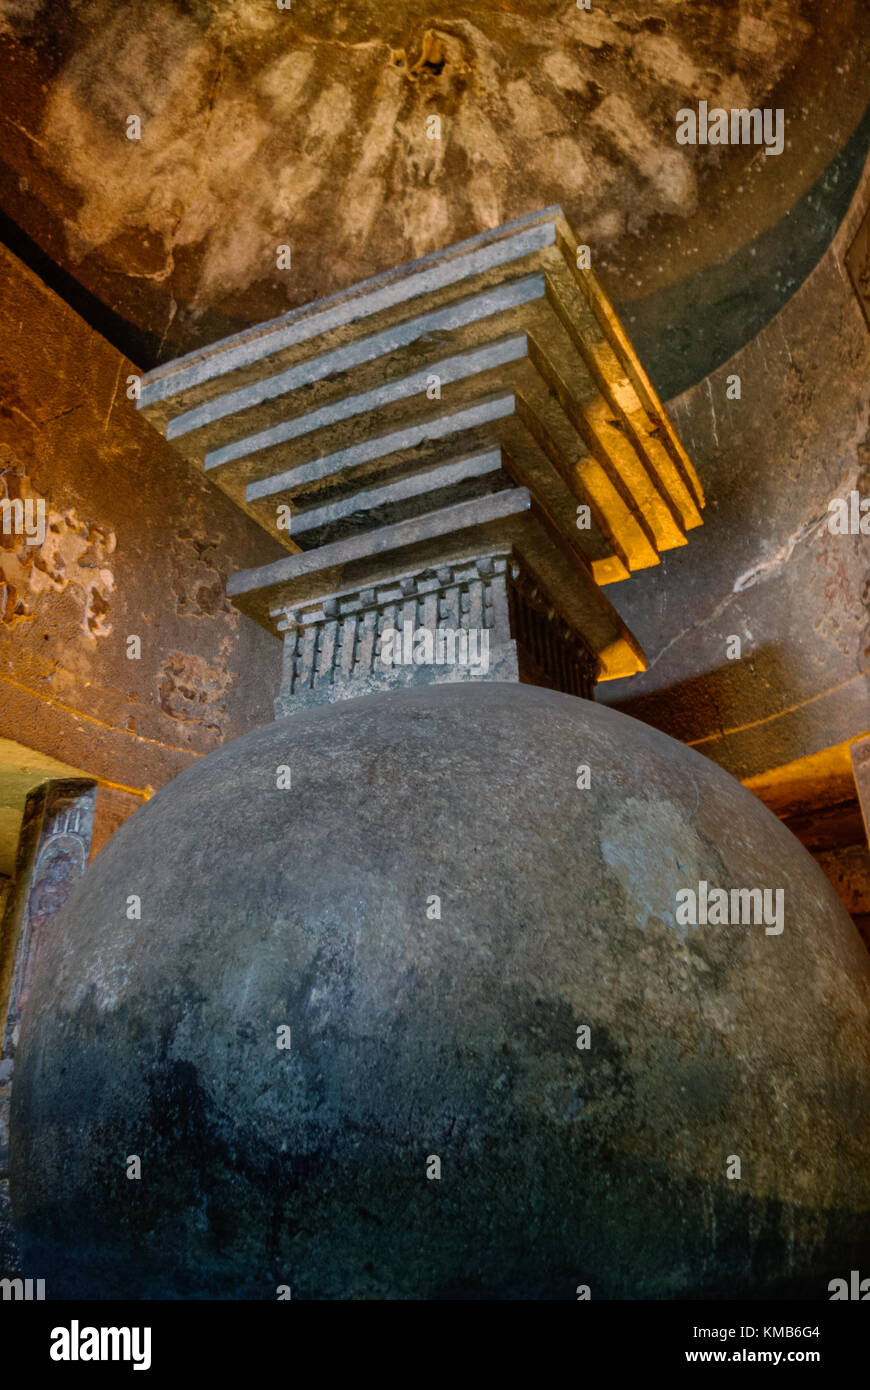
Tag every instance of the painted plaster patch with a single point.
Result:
(73, 556)
(193, 690)
(198, 584)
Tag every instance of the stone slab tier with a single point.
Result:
(323, 376)
(506, 525)
(481, 408)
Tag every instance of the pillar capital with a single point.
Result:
(481, 407)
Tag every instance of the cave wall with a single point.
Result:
(136, 544)
(767, 569)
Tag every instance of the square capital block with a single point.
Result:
(482, 400)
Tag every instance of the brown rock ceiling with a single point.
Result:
(262, 127)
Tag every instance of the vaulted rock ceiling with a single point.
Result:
(307, 126)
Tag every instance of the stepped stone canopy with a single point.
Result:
(481, 407)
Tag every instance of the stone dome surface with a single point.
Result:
(415, 1036)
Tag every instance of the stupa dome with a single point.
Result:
(437, 907)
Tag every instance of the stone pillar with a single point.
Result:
(53, 851)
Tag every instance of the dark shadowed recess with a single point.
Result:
(687, 330)
(139, 346)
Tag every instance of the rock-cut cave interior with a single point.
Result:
(434, 635)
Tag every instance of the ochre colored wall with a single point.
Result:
(137, 543)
